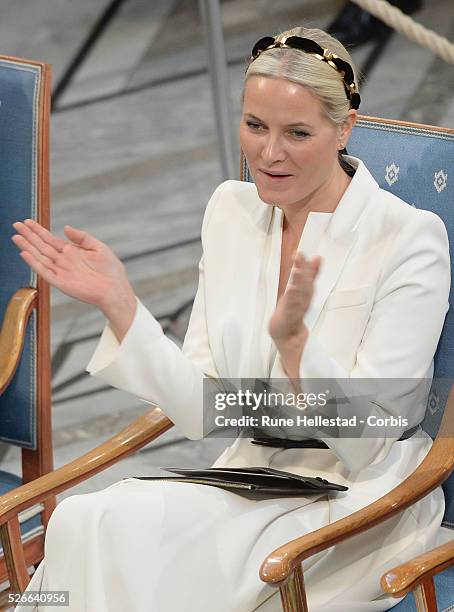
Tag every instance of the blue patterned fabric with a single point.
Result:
(7, 483)
(19, 90)
(418, 166)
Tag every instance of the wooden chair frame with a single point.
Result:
(37, 462)
(417, 576)
(282, 568)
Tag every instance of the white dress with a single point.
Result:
(166, 547)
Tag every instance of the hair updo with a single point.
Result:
(318, 77)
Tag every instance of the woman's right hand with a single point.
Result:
(82, 267)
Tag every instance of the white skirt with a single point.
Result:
(166, 547)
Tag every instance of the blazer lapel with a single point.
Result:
(341, 234)
(244, 335)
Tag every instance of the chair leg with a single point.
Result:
(426, 600)
(293, 595)
(14, 555)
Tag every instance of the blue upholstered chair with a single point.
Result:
(25, 396)
(25, 372)
(24, 301)
(417, 164)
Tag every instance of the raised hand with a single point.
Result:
(287, 319)
(286, 326)
(82, 267)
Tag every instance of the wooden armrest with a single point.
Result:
(406, 577)
(12, 334)
(141, 431)
(435, 469)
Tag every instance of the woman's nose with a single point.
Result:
(273, 149)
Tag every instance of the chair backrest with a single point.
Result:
(416, 162)
(24, 193)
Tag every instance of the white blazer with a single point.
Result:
(378, 309)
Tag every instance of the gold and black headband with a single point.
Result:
(310, 46)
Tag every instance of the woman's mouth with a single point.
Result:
(275, 177)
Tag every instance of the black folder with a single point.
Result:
(253, 480)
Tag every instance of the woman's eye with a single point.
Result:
(253, 125)
(299, 133)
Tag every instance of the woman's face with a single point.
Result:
(290, 146)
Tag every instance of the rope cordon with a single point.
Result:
(396, 19)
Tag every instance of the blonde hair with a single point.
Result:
(319, 77)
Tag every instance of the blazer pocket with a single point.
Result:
(348, 298)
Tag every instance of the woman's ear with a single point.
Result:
(346, 127)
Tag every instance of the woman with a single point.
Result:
(374, 309)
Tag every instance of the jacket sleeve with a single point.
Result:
(399, 342)
(151, 366)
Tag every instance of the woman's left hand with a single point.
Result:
(286, 326)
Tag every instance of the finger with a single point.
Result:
(82, 239)
(300, 263)
(298, 268)
(39, 267)
(297, 277)
(24, 245)
(302, 272)
(311, 267)
(30, 236)
(299, 260)
(45, 235)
